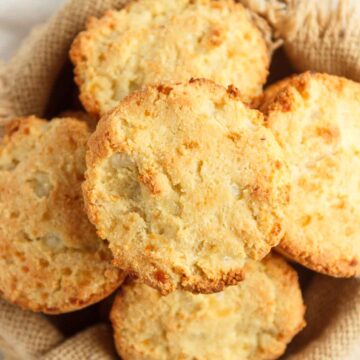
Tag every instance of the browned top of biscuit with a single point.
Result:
(316, 119)
(151, 42)
(253, 320)
(186, 183)
(50, 257)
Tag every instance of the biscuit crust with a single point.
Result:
(51, 259)
(186, 183)
(151, 42)
(316, 119)
(253, 320)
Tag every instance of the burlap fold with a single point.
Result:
(31, 73)
(318, 35)
(94, 343)
(29, 335)
(333, 321)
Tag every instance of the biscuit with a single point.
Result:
(316, 119)
(151, 42)
(51, 259)
(186, 183)
(253, 320)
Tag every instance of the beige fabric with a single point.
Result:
(29, 335)
(7, 352)
(26, 335)
(333, 321)
(32, 71)
(5, 105)
(316, 37)
(94, 343)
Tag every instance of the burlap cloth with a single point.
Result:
(319, 35)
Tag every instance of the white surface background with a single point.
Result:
(17, 17)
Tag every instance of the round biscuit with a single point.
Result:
(51, 259)
(254, 320)
(186, 183)
(150, 42)
(316, 119)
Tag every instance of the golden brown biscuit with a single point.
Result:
(316, 119)
(150, 42)
(263, 100)
(253, 320)
(50, 257)
(186, 184)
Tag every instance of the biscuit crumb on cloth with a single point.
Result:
(186, 183)
(150, 42)
(51, 259)
(254, 320)
(316, 119)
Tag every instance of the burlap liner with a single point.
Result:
(31, 73)
(319, 35)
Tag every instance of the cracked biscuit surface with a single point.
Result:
(51, 259)
(150, 42)
(186, 183)
(316, 119)
(254, 320)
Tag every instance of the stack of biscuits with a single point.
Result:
(184, 185)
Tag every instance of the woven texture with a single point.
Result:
(29, 77)
(94, 343)
(29, 335)
(318, 35)
(333, 321)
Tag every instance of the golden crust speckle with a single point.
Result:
(181, 203)
(151, 42)
(50, 257)
(253, 320)
(316, 119)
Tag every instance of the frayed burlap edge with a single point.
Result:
(318, 35)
